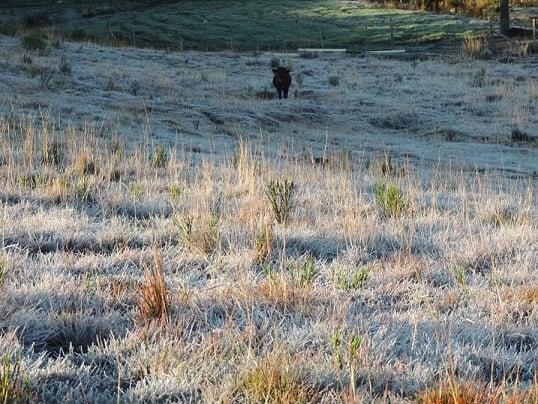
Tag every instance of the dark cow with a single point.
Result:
(282, 81)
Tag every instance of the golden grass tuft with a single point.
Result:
(154, 301)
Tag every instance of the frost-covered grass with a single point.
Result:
(345, 300)
(449, 291)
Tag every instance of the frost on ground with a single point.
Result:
(119, 163)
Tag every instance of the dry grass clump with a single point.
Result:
(154, 295)
(276, 378)
(476, 47)
(454, 392)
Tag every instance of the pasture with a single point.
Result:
(263, 25)
(173, 232)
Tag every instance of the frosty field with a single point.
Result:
(142, 259)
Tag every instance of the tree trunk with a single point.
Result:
(505, 17)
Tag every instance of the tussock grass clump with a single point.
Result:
(154, 301)
(348, 280)
(33, 41)
(303, 271)
(199, 234)
(391, 199)
(263, 241)
(476, 47)
(159, 157)
(276, 379)
(84, 165)
(280, 195)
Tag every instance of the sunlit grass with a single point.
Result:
(269, 25)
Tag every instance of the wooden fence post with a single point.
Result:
(391, 28)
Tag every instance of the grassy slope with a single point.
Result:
(262, 25)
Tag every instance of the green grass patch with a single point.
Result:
(265, 25)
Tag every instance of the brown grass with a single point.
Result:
(154, 303)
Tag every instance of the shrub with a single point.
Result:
(36, 20)
(392, 201)
(6, 29)
(280, 194)
(33, 41)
